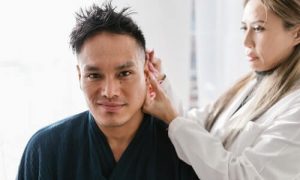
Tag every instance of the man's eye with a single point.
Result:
(124, 73)
(93, 76)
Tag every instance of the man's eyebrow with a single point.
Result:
(128, 64)
(90, 68)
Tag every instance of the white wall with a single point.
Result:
(37, 68)
(220, 50)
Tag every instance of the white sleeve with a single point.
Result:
(275, 154)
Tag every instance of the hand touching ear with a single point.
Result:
(154, 65)
(157, 103)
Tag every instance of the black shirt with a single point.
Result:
(76, 149)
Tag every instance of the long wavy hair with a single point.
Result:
(273, 86)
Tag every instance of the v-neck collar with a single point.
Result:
(109, 167)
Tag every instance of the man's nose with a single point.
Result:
(111, 88)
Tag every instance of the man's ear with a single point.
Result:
(146, 68)
(79, 75)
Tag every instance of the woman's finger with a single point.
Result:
(155, 85)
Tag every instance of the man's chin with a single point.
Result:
(109, 120)
(111, 123)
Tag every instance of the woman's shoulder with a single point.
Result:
(286, 109)
(293, 97)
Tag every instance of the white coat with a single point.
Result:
(267, 149)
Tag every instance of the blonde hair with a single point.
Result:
(273, 86)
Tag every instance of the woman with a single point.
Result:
(253, 130)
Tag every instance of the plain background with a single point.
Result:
(38, 77)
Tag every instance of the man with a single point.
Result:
(114, 139)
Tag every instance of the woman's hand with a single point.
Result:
(154, 66)
(157, 102)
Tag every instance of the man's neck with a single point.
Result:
(119, 137)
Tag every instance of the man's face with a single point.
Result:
(111, 74)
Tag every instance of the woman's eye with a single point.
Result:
(124, 73)
(258, 28)
(243, 28)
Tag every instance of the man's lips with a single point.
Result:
(111, 106)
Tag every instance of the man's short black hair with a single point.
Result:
(103, 19)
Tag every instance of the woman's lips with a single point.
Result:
(252, 57)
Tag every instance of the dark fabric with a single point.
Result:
(76, 149)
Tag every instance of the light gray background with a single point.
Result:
(37, 68)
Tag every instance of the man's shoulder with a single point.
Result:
(166, 153)
(160, 125)
(54, 146)
(161, 131)
(61, 129)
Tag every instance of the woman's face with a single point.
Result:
(267, 43)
